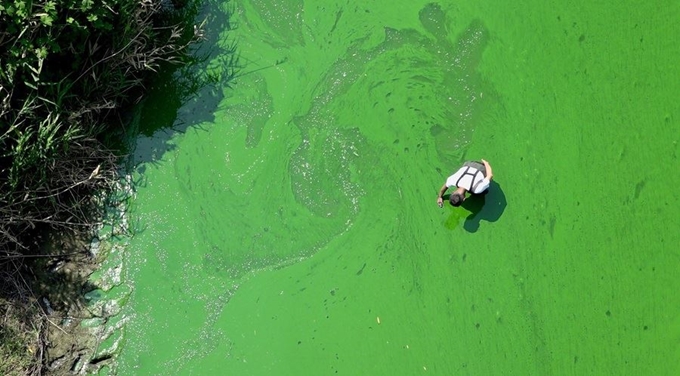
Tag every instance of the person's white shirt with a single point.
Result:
(469, 178)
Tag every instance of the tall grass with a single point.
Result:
(68, 66)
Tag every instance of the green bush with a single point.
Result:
(66, 68)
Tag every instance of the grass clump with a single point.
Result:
(20, 338)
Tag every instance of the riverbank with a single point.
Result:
(43, 331)
(59, 159)
(70, 346)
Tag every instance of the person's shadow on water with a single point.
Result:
(488, 207)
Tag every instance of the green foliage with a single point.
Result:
(66, 68)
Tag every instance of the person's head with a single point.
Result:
(456, 198)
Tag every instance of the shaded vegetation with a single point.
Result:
(67, 67)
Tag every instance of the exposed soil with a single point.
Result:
(59, 287)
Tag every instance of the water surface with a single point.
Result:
(292, 229)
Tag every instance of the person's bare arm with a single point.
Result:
(440, 198)
(489, 171)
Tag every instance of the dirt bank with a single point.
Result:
(41, 330)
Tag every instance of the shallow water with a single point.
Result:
(292, 229)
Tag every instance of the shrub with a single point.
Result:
(67, 66)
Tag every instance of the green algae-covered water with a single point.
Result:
(292, 229)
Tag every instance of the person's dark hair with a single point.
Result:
(456, 199)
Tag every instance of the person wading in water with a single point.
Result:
(474, 177)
